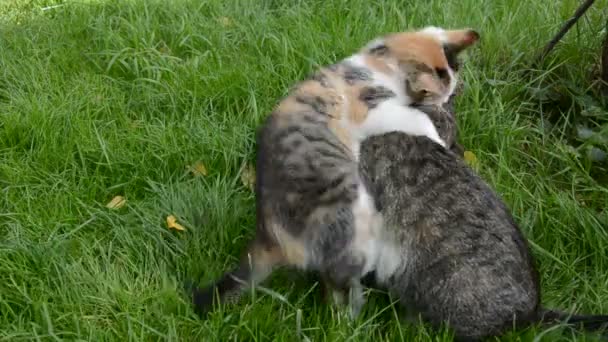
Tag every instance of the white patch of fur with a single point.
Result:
(390, 259)
(437, 32)
(381, 254)
(356, 148)
(374, 44)
(393, 83)
(368, 226)
(357, 60)
(453, 82)
(392, 116)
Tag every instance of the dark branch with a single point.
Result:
(604, 64)
(565, 28)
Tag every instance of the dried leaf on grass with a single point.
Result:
(248, 176)
(172, 223)
(198, 169)
(471, 158)
(226, 21)
(116, 203)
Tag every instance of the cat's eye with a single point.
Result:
(442, 73)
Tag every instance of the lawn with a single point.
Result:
(100, 99)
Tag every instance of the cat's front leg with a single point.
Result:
(353, 296)
(331, 293)
(356, 298)
(342, 283)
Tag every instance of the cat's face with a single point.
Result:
(426, 60)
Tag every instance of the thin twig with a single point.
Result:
(51, 7)
(565, 28)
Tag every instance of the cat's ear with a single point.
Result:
(458, 40)
(454, 42)
(463, 37)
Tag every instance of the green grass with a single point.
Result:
(106, 98)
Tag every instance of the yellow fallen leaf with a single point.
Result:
(470, 158)
(164, 48)
(225, 21)
(135, 124)
(248, 176)
(116, 202)
(198, 169)
(172, 223)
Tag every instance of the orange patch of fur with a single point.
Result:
(357, 110)
(377, 64)
(330, 96)
(291, 250)
(416, 46)
(342, 100)
(340, 132)
(267, 257)
(333, 96)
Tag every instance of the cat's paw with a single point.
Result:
(356, 300)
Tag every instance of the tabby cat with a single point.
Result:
(456, 254)
(313, 210)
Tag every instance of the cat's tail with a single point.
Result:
(593, 323)
(255, 266)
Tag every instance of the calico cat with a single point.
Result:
(456, 254)
(313, 211)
